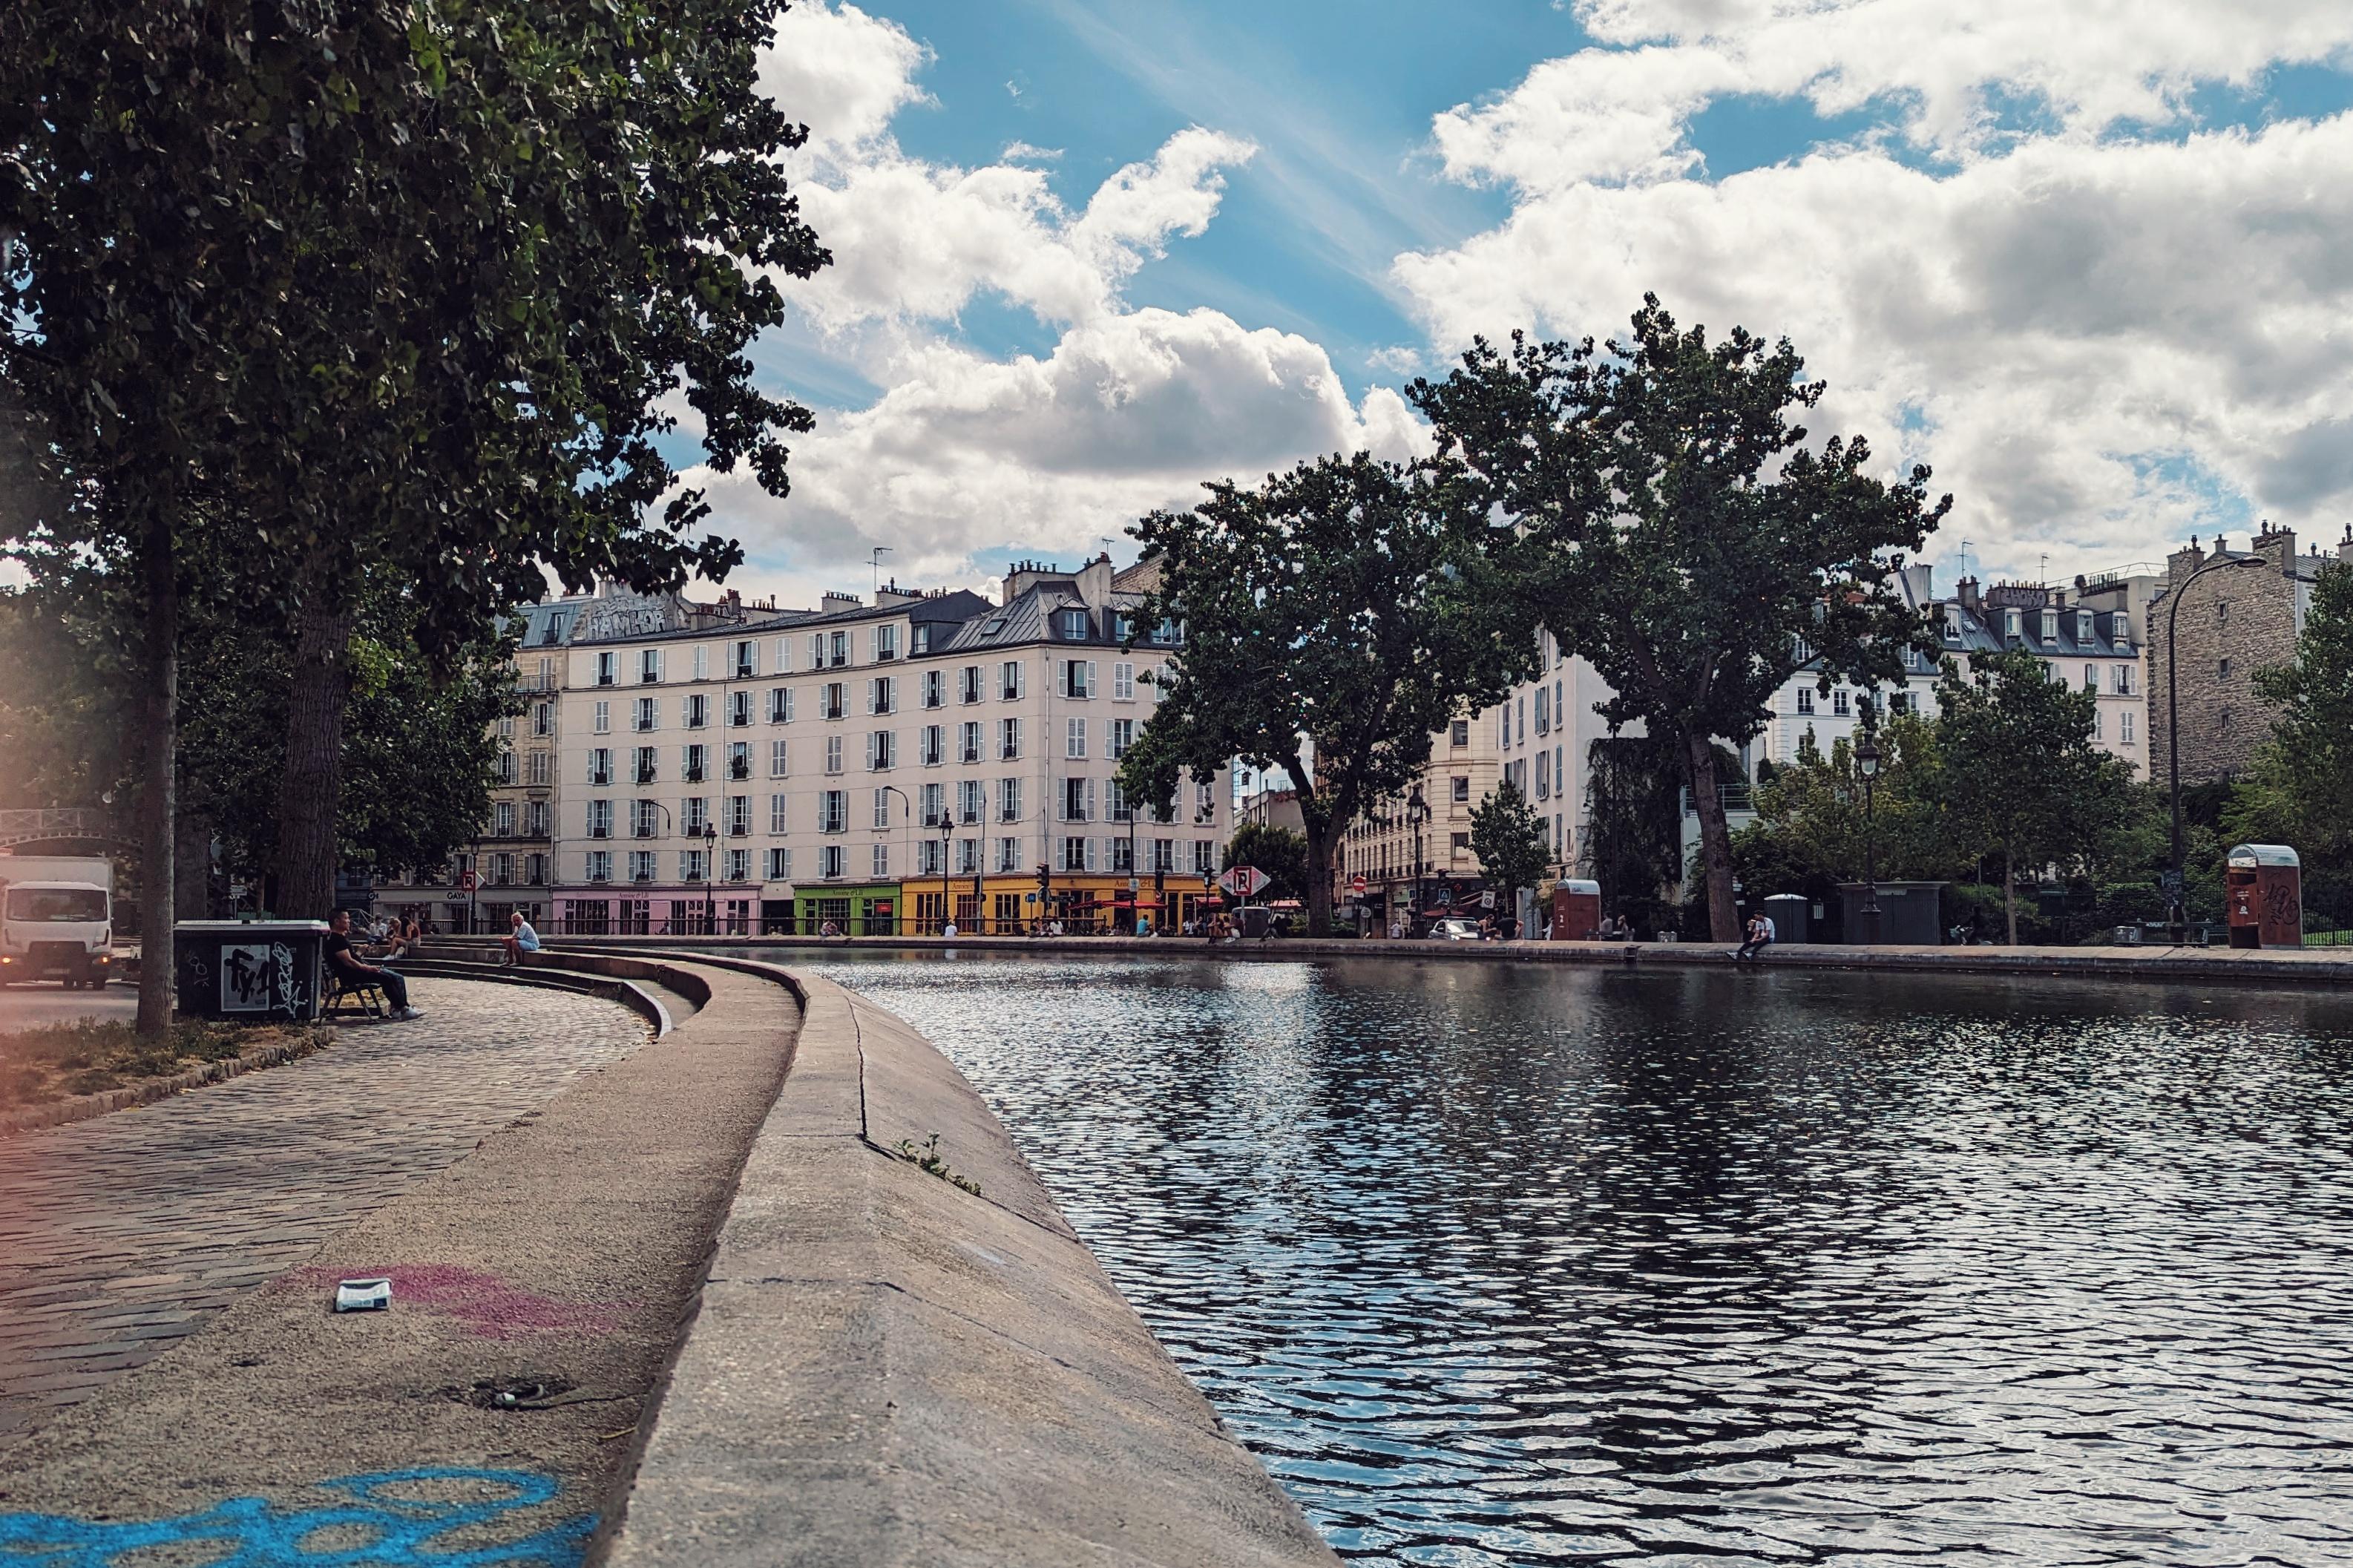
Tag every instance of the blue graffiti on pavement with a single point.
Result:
(397, 1519)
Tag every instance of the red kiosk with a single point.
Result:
(2263, 894)
(1576, 910)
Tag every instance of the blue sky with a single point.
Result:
(2076, 259)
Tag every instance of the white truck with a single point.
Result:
(56, 920)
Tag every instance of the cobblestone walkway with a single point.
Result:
(120, 1235)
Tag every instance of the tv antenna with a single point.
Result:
(879, 552)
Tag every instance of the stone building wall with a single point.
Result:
(2231, 624)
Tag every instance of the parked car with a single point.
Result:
(1454, 928)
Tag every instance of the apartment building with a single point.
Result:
(876, 768)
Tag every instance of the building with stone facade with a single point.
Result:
(2216, 633)
(874, 768)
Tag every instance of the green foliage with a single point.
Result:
(1512, 842)
(2299, 790)
(1707, 549)
(1632, 840)
(2023, 782)
(1277, 851)
(1815, 820)
(1339, 613)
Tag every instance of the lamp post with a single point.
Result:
(1866, 763)
(710, 855)
(2177, 914)
(1417, 817)
(947, 836)
(906, 813)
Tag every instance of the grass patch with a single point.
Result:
(57, 1061)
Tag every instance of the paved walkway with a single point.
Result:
(121, 1235)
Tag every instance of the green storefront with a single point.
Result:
(873, 909)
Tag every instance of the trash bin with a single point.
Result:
(249, 971)
(1576, 910)
(1788, 911)
(2263, 895)
(1908, 914)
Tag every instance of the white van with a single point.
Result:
(57, 931)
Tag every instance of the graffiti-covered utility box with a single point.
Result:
(2262, 892)
(249, 971)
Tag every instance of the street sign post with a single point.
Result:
(1356, 884)
(1243, 880)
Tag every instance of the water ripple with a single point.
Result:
(1500, 1266)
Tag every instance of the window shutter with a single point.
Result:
(1091, 801)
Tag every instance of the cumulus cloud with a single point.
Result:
(2101, 339)
(964, 454)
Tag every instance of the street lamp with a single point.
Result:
(1866, 763)
(709, 856)
(2177, 914)
(947, 836)
(1417, 815)
(906, 813)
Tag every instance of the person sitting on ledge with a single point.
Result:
(337, 951)
(519, 939)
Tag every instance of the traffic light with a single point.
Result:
(1042, 879)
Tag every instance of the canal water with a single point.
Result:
(1508, 1265)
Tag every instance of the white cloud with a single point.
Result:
(2101, 343)
(962, 452)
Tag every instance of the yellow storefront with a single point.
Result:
(1085, 904)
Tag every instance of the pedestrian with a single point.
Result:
(337, 952)
(519, 939)
(949, 930)
(1760, 937)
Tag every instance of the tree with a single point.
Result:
(1812, 828)
(1632, 841)
(2021, 777)
(1512, 844)
(1708, 551)
(1277, 851)
(1333, 618)
(2299, 790)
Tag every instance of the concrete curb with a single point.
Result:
(888, 1369)
(2322, 966)
(83, 1107)
(548, 977)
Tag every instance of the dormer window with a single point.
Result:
(2050, 626)
(1075, 625)
(2013, 624)
(1953, 621)
(2083, 625)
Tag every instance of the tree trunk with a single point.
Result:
(2009, 897)
(1319, 875)
(1714, 838)
(158, 839)
(310, 787)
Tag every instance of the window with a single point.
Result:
(886, 642)
(1164, 854)
(936, 688)
(739, 816)
(833, 699)
(1074, 739)
(778, 822)
(2050, 626)
(1205, 802)
(1544, 712)
(968, 684)
(918, 639)
(1115, 803)
(832, 862)
(1079, 678)
(2091, 678)
(833, 811)
(647, 769)
(1072, 624)
(1460, 847)
(2223, 611)
(931, 858)
(739, 866)
(1009, 800)
(931, 747)
(882, 862)
(603, 723)
(882, 694)
(747, 659)
(1009, 680)
(647, 715)
(694, 816)
(697, 761)
(739, 710)
(506, 767)
(780, 866)
(1008, 747)
(534, 818)
(692, 866)
(1119, 734)
(1122, 682)
(971, 801)
(778, 768)
(838, 650)
(543, 719)
(2012, 624)
(1842, 704)
(1119, 856)
(1805, 700)
(701, 664)
(600, 819)
(649, 665)
(967, 857)
(882, 751)
(968, 742)
(1078, 800)
(784, 654)
(698, 710)
(882, 808)
(607, 672)
(2083, 625)
(1204, 854)
(1544, 774)
(641, 866)
(537, 767)
(2120, 679)
(1458, 789)
(2125, 727)
(1459, 732)
(645, 820)
(934, 803)
(2099, 723)
(1008, 855)
(833, 754)
(599, 865)
(2222, 669)
(780, 705)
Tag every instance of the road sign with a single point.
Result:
(466, 881)
(1487, 900)
(1356, 884)
(1243, 880)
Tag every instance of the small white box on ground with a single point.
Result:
(363, 1295)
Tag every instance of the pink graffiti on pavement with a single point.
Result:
(485, 1304)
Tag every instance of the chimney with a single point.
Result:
(891, 594)
(1920, 579)
(1024, 575)
(1095, 582)
(833, 603)
(2345, 547)
(1967, 589)
(2183, 562)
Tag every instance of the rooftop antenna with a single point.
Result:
(1105, 542)
(879, 552)
(2042, 567)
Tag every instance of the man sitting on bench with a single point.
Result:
(346, 967)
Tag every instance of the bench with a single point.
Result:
(358, 998)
